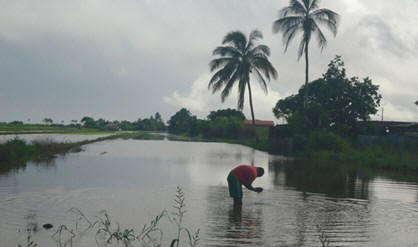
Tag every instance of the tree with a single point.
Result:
(416, 102)
(304, 16)
(88, 122)
(158, 117)
(229, 113)
(181, 121)
(336, 102)
(235, 61)
(48, 120)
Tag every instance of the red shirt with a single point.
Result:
(245, 174)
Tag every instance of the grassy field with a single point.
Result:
(16, 152)
(7, 129)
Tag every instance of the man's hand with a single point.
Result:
(258, 189)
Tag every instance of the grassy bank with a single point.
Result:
(7, 128)
(385, 153)
(328, 147)
(16, 152)
(372, 155)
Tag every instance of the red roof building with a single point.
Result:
(259, 123)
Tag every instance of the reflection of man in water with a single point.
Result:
(243, 175)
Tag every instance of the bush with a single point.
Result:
(323, 140)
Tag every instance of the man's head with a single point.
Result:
(260, 171)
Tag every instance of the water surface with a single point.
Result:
(135, 180)
(51, 137)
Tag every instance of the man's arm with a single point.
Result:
(250, 187)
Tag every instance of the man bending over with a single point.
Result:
(243, 175)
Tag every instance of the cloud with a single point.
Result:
(395, 112)
(200, 101)
(128, 59)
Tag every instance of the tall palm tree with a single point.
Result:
(235, 61)
(305, 16)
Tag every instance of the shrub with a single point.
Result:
(323, 140)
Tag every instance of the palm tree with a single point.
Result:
(304, 16)
(235, 61)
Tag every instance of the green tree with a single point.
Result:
(235, 61)
(158, 117)
(305, 16)
(229, 113)
(336, 102)
(48, 120)
(88, 122)
(181, 122)
(101, 123)
(416, 102)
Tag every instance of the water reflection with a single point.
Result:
(325, 178)
(302, 204)
(229, 225)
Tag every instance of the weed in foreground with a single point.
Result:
(323, 238)
(108, 233)
(192, 239)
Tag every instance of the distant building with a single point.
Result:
(397, 127)
(259, 123)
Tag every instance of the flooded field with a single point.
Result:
(50, 137)
(134, 181)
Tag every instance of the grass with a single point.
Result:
(260, 144)
(7, 129)
(16, 152)
(107, 232)
(372, 156)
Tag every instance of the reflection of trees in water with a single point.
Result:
(325, 178)
(6, 169)
(229, 226)
(332, 216)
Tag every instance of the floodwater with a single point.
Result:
(50, 137)
(134, 181)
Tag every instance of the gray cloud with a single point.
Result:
(124, 60)
(383, 37)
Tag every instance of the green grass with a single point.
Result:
(372, 156)
(7, 129)
(16, 152)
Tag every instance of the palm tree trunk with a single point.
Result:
(305, 100)
(251, 103)
(252, 110)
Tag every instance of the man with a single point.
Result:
(243, 175)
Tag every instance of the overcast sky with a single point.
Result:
(131, 58)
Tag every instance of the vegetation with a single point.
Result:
(16, 152)
(220, 126)
(86, 125)
(18, 127)
(328, 129)
(305, 17)
(226, 113)
(325, 145)
(235, 61)
(153, 123)
(109, 233)
(336, 103)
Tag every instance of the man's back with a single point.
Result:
(245, 174)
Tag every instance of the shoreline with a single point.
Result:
(372, 156)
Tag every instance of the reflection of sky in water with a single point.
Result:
(135, 180)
